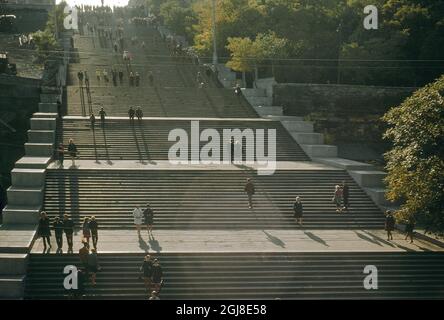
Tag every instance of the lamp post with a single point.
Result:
(214, 33)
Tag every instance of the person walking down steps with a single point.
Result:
(249, 190)
(337, 198)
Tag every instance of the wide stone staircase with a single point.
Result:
(211, 199)
(251, 276)
(148, 139)
(206, 199)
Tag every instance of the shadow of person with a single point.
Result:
(377, 238)
(316, 238)
(364, 237)
(274, 240)
(143, 245)
(155, 245)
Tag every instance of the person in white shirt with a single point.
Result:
(138, 218)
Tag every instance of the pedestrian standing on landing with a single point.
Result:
(68, 228)
(139, 113)
(148, 216)
(58, 231)
(94, 227)
(72, 150)
(131, 113)
(61, 154)
(138, 218)
(389, 224)
(409, 229)
(102, 115)
(86, 231)
(44, 230)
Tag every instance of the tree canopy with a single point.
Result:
(318, 33)
(415, 165)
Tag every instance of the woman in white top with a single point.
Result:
(138, 218)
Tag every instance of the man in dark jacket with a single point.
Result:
(58, 230)
(250, 190)
(131, 113)
(94, 227)
(68, 228)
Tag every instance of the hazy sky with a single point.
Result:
(97, 2)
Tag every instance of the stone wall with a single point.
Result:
(19, 98)
(348, 116)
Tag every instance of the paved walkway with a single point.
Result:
(166, 165)
(250, 241)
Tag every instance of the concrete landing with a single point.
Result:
(169, 241)
(166, 165)
(16, 238)
(174, 118)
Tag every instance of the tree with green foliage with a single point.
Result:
(45, 41)
(415, 164)
(179, 18)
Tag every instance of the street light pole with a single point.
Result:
(214, 34)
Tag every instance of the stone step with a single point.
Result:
(25, 196)
(28, 177)
(298, 126)
(13, 264)
(148, 140)
(266, 111)
(320, 150)
(39, 149)
(43, 124)
(324, 275)
(369, 179)
(194, 199)
(345, 164)
(48, 107)
(18, 214)
(12, 287)
(256, 92)
(49, 98)
(45, 115)
(33, 162)
(41, 136)
(308, 138)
